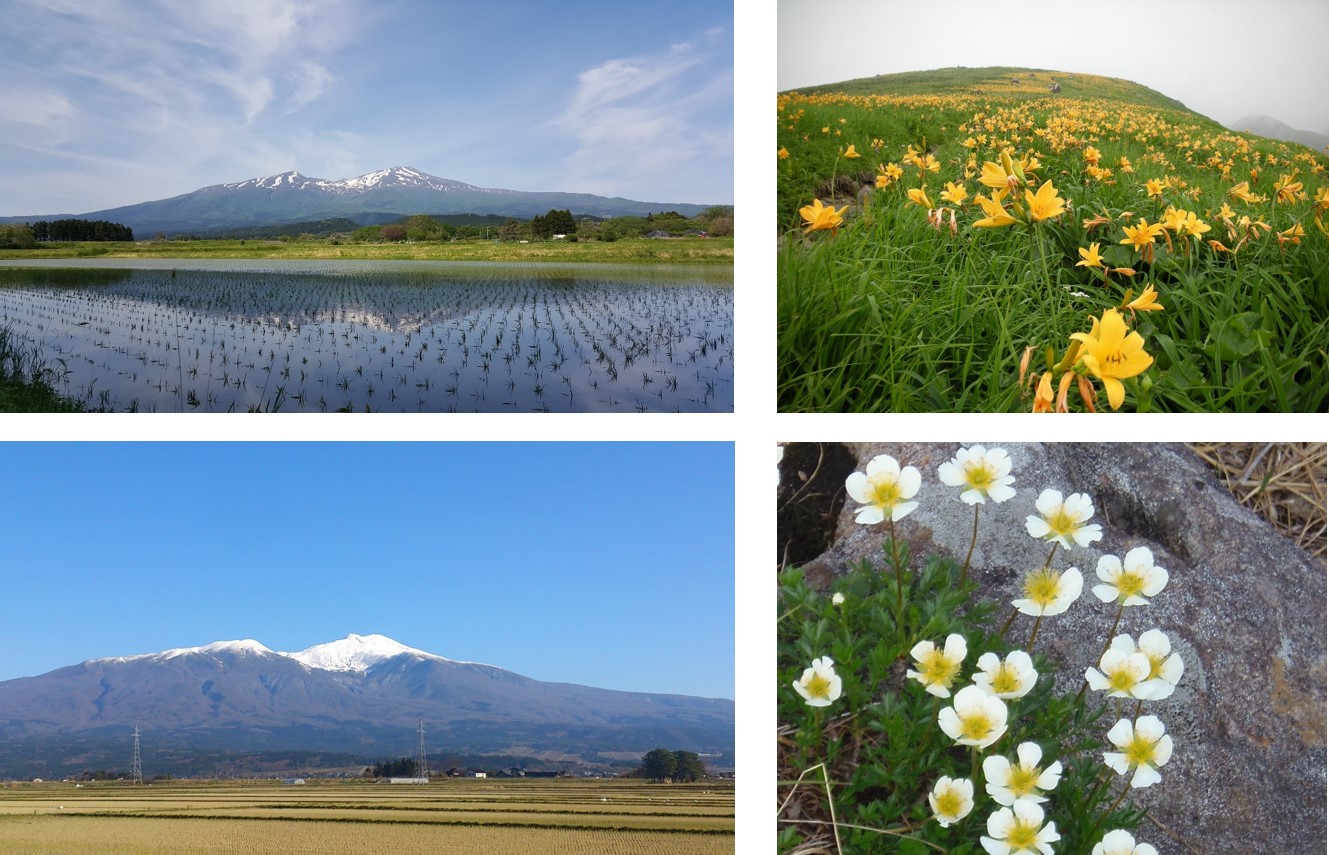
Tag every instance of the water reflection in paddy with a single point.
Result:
(403, 336)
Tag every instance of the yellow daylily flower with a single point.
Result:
(1146, 302)
(1154, 187)
(1046, 204)
(783, 153)
(1285, 189)
(919, 196)
(851, 152)
(1194, 226)
(819, 216)
(1174, 219)
(996, 213)
(1043, 396)
(1292, 235)
(955, 193)
(1142, 234)
(1090, 257)
(1112, 354)
(1243, 192)
(1003, 176)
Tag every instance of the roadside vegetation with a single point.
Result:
(26, 382)
(1007, 239)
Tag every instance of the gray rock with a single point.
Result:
(1244, 606)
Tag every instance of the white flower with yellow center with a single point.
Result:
(1012, 678)
(1131, 580)
(1019, 830)
(883, 490)
(1064, 520)
(937, 669)
(1122, 842)
(983, 472)
(1047, 592)
(819, 685)
(952, 799)
(1122, 671)
(1144, 747)
(1165, 667)
(1008, 783)
(974, 718)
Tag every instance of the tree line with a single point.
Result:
(661, 764)
(74, 229)
(717, 221)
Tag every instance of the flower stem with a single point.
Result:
(1048, 563)
(964, 574)
(1121, 608)
(1106, 813)
(1007, 625)
(1033, 635)
(899, 579)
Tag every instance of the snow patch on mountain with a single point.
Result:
(355, 653)
(397, 176)
(242, 646)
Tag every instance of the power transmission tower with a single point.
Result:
(136, 768)
(421, 764)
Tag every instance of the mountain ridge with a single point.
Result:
(289, 197)
(357, 695)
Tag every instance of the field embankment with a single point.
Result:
(683, 250)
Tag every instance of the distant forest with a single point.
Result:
(71, 230)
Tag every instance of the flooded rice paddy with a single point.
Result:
(208, 336)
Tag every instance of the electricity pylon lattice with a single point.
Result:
(136, 768)
(421, 764)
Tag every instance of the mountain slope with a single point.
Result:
(360, 695)
(292, 197)
(1002, 81)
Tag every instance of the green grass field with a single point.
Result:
(332, 818)
(689, 250)
(908, 305)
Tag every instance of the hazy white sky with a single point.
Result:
(1223, 58)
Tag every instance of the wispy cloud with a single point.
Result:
(639, 118)
(181, 82)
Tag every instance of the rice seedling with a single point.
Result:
(226, 339)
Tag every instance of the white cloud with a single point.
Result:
(648, 121)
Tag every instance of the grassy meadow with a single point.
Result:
(332, 818)
(944, 234)
(682, 250)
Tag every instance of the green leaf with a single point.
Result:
(1238, 336)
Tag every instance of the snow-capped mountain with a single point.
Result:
(375, 197)
(397, 176)
(356, 653)
(361, 695)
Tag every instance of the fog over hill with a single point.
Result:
(1268, 126)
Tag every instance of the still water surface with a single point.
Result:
(213, 335)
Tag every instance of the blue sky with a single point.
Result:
(123, 101)
(604, 564)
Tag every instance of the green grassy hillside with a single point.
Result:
(899, 290)
(999, 81)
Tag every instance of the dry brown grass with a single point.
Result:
(1282, 481)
